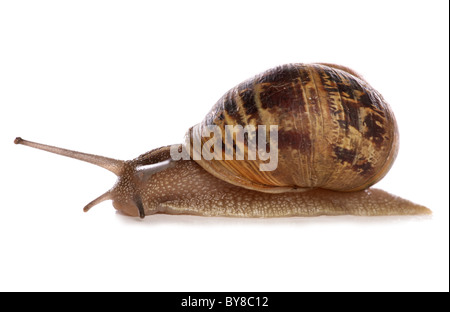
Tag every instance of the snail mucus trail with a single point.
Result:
(337, 136)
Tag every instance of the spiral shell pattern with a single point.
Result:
(334, 130)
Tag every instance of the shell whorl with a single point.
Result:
(334, 130)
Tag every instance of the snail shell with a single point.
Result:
(334, 130)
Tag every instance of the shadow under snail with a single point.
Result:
(336, 137)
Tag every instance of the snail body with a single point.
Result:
(336, 137)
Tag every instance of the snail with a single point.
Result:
(334, 137)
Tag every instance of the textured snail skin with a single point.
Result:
(337, 137)
(186, 188)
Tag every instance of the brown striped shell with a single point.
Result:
(334, 130)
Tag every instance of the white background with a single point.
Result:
(118, 78)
